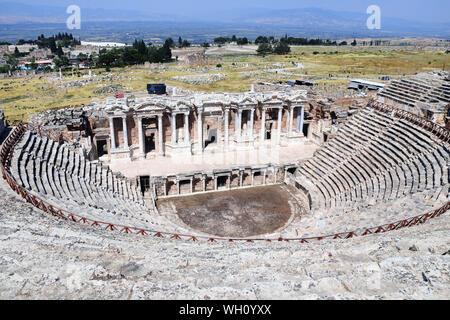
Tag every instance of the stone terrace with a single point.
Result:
(68, 181)
(45, 258)
(374, 158)
(425, 88)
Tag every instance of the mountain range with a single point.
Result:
(17, 20)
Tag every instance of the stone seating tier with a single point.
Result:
(68, 181)
(375, 159)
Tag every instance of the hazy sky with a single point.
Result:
(418, 10)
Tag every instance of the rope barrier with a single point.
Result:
(435, 129)
(16, 135)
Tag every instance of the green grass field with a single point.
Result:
(21, 97)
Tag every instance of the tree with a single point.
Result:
(233, 38)
(221, 40)
(170, 42)
(180, 41)
(52, 45)
(166, 53)
(140, 47)
(242, 41)
(33, 64)
(12, 61)
(264, 48)
(62, 62)
(5, 69)
(82, 57)
(137, 54)
(354, 43)
(205, 45)
(185, 44)
(59, 51)
(261, 39)
(281, 48)
(343, 43)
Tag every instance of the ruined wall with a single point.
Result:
(2, 122)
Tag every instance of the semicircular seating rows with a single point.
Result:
(66, 180)
(374, 158)
(376, 169)
(412, 90)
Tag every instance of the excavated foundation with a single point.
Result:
(236, 213)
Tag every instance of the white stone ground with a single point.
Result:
(179, 164)
(44, 258)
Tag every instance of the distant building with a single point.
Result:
(156, 88)
(360, 84)
(40, 53)
(45, 63)
(25, 65)
(4, 49)
(86, 50)
(103, 44)
(24, 48)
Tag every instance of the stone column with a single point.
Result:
(239, 126)
(204, 183)
(219, 131)
(264, 178)
(186, 129)
(263, 125)
(280, 120)
(300, 119)
(215, 183)
(253, 178)
(165, 187)
(252, 120)
(111, 130)
(227, 138)
(173, 130)
(192, 185)
(291, 119)
(160, 135)
(241, 176)
(141, 136)
(236, 124)
(125, 132)
(200, 131)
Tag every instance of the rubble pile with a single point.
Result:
(200, 78)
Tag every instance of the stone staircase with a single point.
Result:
(418, 89)
(68, 181)
(375, 158)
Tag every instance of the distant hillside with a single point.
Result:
(327, 20)
(16, 13)
(125, 25)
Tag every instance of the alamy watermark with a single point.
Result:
(74, 20)
(374, 21)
